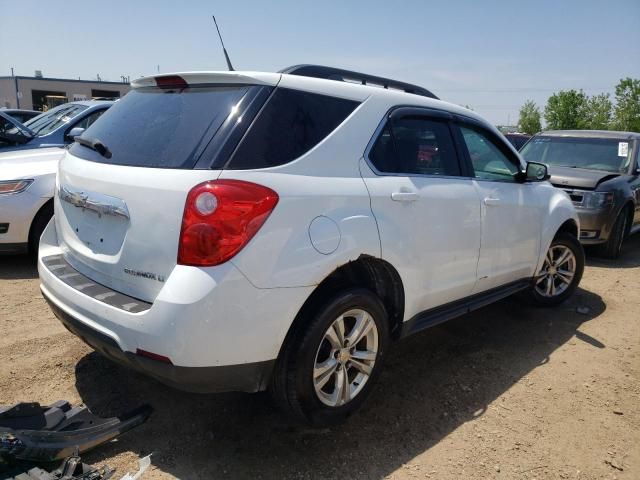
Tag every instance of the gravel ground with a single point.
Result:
(510, 391)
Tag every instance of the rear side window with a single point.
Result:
(414, 145)
(290, 124)
(153, 127)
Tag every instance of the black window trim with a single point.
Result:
(402, 111)
(472, 124)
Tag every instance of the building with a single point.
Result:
(39, 93)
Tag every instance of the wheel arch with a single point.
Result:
(630, 207)
(44, 209)
(366, 271)
(561, 217)
(570, 226)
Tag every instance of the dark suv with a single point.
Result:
(600, 170)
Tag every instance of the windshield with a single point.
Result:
(49, 121)
(152, 127)
(610, 155)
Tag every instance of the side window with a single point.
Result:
(414, 145)
(89, 120)
(489, 163)
(289, 125)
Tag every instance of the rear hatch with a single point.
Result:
(121, 189)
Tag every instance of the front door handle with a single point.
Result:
(404, 196)
(491, 201)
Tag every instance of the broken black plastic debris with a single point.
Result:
(31, 432)
(71, 469)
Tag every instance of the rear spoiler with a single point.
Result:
(185, 79)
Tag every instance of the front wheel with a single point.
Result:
(329, 364)
(561, 271)
(613, 246)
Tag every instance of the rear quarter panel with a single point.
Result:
(323, 182)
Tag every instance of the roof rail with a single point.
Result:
(331, 73)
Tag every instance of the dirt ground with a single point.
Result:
(510, 391)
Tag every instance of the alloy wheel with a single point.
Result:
(557, 272)
(345, 358)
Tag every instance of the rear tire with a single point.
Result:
(320, 378)
(38, 225)
(613, 246)
(561, 272)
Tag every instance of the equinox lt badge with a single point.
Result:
(149, 275)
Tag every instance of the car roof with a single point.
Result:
(592, 134)
(342, 89)
(93, 103)
(18, 110)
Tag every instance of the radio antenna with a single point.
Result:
(226, 55)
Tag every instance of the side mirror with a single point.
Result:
(536, 172)
(75, 132)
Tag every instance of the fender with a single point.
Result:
(560, 209)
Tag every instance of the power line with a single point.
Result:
(519, 90)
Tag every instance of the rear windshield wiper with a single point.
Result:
(94, 144)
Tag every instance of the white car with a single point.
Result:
(250, 231)
(27, 182)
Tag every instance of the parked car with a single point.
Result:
(249, 231)
(27, 183)
(20, 114)
(54, 128)
(600, 170)
(517, 139)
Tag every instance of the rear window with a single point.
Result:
(159, 128)
(290, 124)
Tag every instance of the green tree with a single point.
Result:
(598, 112)
(529, 121)
(627, 112)
(566, 110)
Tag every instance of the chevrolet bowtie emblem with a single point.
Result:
(95, 202)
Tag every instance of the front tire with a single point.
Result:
(561, 271)
(40, 222)
(331, 361)
(613, 246)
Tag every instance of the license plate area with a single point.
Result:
(99, 222)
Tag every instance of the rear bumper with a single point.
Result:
(248, 377)
(219, 332)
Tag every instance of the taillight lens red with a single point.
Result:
(171, 81)
(220, 217)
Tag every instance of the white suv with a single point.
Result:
(249, 231)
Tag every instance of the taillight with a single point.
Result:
(220, 217)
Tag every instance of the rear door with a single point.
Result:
(119, 207)
(512, 212)
(428, 211)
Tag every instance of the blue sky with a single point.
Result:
(491, 55)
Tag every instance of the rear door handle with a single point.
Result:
(491, 202)
(404, 196)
